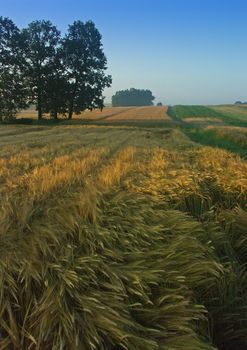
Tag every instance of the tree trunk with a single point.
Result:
(39, 111)
(71, 105)
(53, 115)
(39, 108)
(39, 105)
(70, 114)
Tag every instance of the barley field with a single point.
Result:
(118, 237)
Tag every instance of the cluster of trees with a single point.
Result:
(59, 75)
(133, 97)
(240, 103)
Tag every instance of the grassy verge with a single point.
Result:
(210, 138)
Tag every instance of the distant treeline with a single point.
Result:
(133, 97)
(59, 75)
(240, 103)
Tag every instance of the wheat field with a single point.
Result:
(113, 114)
(120, 237)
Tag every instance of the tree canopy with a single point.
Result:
(240, 103)
(13, 88)
(84, 63)
(133, 97)
(59, 75)
(41, 39)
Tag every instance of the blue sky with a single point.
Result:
(185, 51)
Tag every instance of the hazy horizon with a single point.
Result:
(185, 52)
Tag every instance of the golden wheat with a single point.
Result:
(120, 238)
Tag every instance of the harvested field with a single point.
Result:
(142, 113)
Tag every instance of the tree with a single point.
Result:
(133, 97)
(85, 65)
(41, 40)
(13, 88)
(240, 103)
(55, 96)
(58, 76)
(160, 104)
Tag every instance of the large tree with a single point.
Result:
(85, 65)
(133, 97)
(56, 86)
(57, 75)
(13, 87)
(41, 43)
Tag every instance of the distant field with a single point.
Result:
(218, 126)
(232, 113)
(232, 133)
(228, 114)
(90, 115)
(123, 236)
(184, 112)
(114, 114)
